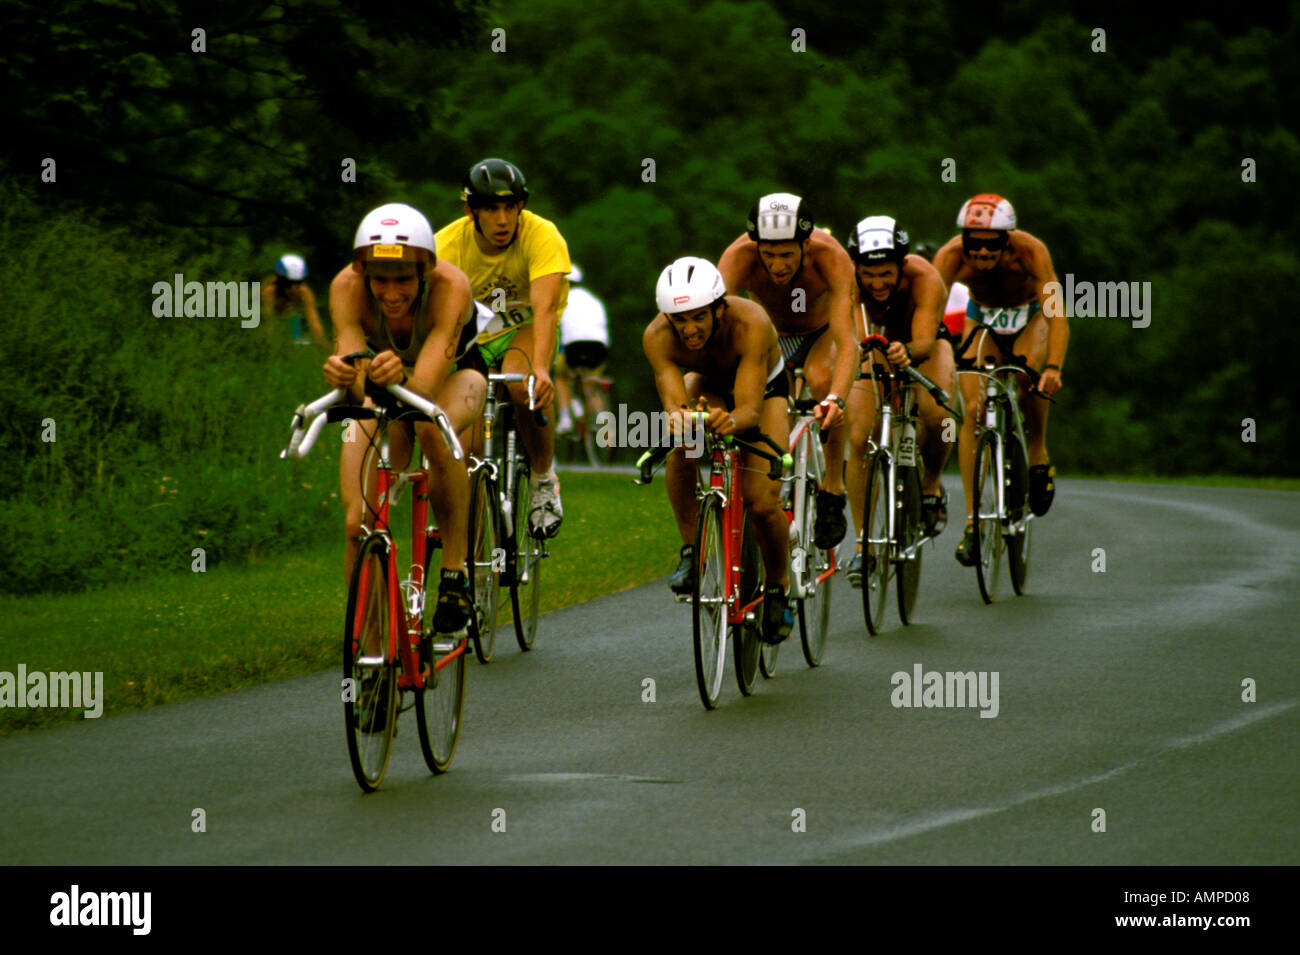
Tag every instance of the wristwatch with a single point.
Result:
(836, 399)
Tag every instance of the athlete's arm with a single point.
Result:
(1058, 326)
(449, 309)
(347, 298)
(929, 297)
(544, 293)
(751, 378)
(838, 269)
(656, 342)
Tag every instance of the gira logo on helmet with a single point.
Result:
(679, 299)
(388, 222)
(777, 204)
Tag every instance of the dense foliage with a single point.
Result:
(1127, 162)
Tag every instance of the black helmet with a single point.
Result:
(779, 217)
(492, 180)
(926, 250)
(878, 239)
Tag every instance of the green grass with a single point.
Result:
(177, 637)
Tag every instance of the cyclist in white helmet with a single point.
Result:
(287, 296)
(718, 352)
(416, 317)
(804, 279)
(1005, 268)
(584, 343)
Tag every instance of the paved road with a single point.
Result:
(1119, 691)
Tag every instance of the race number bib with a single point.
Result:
(1004, 321)
(511, 315)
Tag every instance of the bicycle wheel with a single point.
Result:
(439, 704)
(369, 672)
(815, 610)
(988, 523)
(748, 646)
(486, 553)
(907, 531)
(525, 576)
(1017, 484)
(709, 603)
(876, 565)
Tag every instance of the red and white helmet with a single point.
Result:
(986, 211)
(394, 232)
(688, 284)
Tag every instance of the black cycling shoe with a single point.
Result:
(966, 555)
(683, 579)
(934, 511)
(853, 570)
(778, 615)
(829, 527)
(1041, 488)
(453, 602)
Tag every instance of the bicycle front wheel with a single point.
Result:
(438, 706)
(709, 603)
(876, 565)
(488, 560)
(525, 577)
(369, 671)
(907, 531)
(1017, 484)
(988, 520)
(748, 646)
(818, 573)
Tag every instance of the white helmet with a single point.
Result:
(394, 232)
(986, 211)
(878, 239)
(779, 217)
(688, 284)
(291, 267)
(575, 272)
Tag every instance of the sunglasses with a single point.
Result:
(971, 244)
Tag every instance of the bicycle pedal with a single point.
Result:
(682, 598)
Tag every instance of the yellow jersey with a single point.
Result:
(502, 281)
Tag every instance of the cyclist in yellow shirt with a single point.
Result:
(517, 263)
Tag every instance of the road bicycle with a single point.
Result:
(728, 592)
(513, 557)
(893, 534)
(812, 568)
(389, 647)
(1002, 517)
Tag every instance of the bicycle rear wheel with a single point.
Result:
(876, 565)
(1017, 484)
(747, 644)
(709, 603)
(485, 552)
(369, 672)
(438, 706)
(988, 522)
(814, 610)
(525, 576)
(907, 528)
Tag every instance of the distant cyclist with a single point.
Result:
(416, 314)
(1007, 269)
(902, 296)
(518, 265)
(719, 351)
(287, 296)
(804, 279)
(584, 343)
